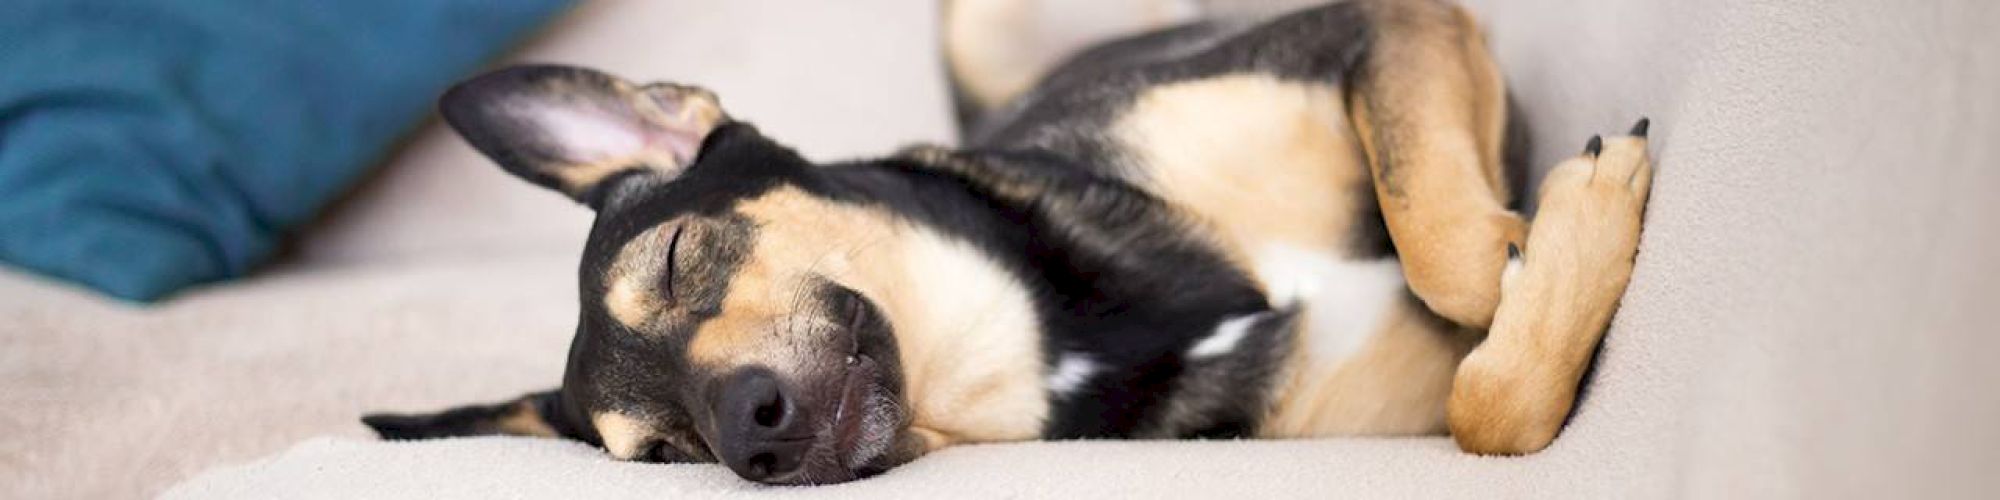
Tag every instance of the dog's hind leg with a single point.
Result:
(1429, 107)
(997, 49)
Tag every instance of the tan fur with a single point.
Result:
(997, 49)
(931, 440)
(629, 299)
(1514, 391)
(1395, 385)
(683, 106)
(983, 58)
(578, 179)
(966, 332)
(970, 342)
(1429, 116)
(622, 435)
(1489, 94)
(1258, 160)
(524, 420)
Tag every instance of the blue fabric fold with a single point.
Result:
(148, 145)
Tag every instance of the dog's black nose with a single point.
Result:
(764, 433)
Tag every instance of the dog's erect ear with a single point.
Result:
(576, 130)
(536, 414)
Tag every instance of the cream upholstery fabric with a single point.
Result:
(1807, 318)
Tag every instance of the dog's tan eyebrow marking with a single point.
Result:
(628, 301)
(678, 268)
(633, 283)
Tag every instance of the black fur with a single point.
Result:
(1114, 276)
(474, 420)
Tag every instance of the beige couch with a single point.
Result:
(1809, 315)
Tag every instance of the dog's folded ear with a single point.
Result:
(536, 414)
(579, 131)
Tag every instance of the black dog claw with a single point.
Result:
(1639, 129)
(1595, 146)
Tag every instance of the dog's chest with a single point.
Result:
(1273, 171)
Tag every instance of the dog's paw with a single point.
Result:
(1591, 205)
(1620, 165)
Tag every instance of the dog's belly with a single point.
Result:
(1272, 168)
(1368, 362)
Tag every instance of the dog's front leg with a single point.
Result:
(1429, 107)
(1512, 393)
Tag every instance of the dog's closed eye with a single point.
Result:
(855, 309)
(673, 263)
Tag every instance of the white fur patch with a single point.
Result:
(1071, 373)
(1227, 334)
(1344, 302)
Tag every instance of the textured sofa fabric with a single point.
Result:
(1807, 318)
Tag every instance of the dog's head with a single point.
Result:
(729, 309)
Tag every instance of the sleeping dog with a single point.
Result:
(1296, 227)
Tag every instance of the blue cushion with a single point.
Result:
(147, 145)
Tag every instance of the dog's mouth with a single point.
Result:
(861, 424)
(864, 412)
(865, 415)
